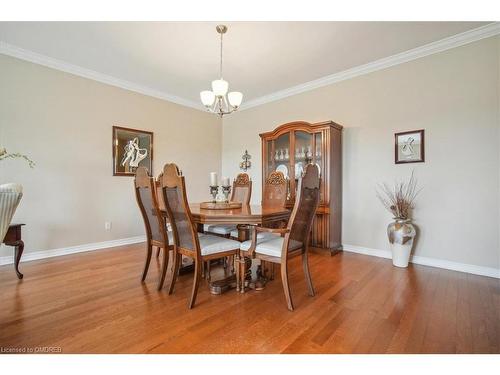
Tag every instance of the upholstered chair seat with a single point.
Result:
(260, 235)
(271, 245)
(214, 244)
(224, 229)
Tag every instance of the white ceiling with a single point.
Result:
(260, 58)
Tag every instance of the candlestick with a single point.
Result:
(214, 190)
(226, 190)
(213, 179)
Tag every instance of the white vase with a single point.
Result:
(10, 196)
(401, 234)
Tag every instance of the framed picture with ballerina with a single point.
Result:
(409, 147)
(131, 148)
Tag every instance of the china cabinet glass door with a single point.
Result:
(303, 154)
(318, 159)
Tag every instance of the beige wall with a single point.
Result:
(63, 123)
(453, 95)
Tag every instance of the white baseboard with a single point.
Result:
(431, 262)
(72, 249)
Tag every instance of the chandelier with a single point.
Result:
(218, 100)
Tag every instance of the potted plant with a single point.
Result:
(10, 194)
(400, 201)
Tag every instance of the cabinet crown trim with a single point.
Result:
(300, 125)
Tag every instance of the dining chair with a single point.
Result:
(274, 195)
(187, 241)
(275, 190)
(241, 193)
(156, 229)
(279, 249)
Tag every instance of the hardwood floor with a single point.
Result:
(94, 303)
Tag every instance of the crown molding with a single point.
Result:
(23, 54)
(454, 41)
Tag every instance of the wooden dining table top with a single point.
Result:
(247, 214)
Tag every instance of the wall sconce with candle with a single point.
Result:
(246, 163)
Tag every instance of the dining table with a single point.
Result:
(243, 217)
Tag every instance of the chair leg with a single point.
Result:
(208, 271)
(196, 282)
(271, 265)
(164, 268)
(148, 260)
(286, 288)
(158, 252)
(175, 271)
(305, 265)
(230, 264)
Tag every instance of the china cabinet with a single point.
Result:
(304, 143)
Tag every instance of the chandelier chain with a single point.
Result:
(221, 35)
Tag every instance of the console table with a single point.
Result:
(13, 238)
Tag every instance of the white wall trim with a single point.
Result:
(27, 257)
(431, 262)
(458, 40)
(23, 54)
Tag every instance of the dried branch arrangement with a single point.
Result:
(4, 155)
(400, 199)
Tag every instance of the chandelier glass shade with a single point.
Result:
(218, 100)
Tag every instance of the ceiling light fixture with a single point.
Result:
(218, 100)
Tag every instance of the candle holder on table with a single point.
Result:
(214, 190)
(226, 190)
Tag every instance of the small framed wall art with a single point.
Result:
(409, 147)
(132, 148)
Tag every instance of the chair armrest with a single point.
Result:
(272, 230)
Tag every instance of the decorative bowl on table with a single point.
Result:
(220, 205)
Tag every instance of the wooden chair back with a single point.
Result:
(275, 190)
(146, 196)
(159, 193)
(306, 203)
(242, 189)
(177, 207)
